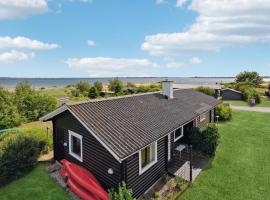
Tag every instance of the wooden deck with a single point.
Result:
(180, 166)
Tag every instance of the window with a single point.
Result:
(147, 157)
(203, 117)
(178, 133)
(75, 145)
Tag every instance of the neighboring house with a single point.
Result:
(231, 94)
(129, 138)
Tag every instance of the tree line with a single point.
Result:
(25, 104)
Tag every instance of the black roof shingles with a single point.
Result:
(125, 125)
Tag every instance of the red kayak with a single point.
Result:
(82, 182)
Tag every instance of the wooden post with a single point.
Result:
(190, 163)
(48, 132)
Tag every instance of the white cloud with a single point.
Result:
(14, 56)
(221, 23)
(195, 61)
(175, 65)
(180, 3)
(24, 43)
(90, 42)
(160, 1)
(12, 9)
(107, 67)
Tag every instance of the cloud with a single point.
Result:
(13, 9)
(108, 67)
(195, 61)
(175, 65)
(14, 56)
(180, 3)
(90, 42)
(24, 43)
(219, 24)
(160, 1)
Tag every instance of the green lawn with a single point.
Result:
(241, 167)
(264, 103)
(35, 185)
(55, 92)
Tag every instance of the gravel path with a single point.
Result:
(254, 109)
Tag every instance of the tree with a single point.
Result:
(9, 116)
(93, 93)
(83, 86)
(31, 104)
(250, 77)
(98, 85)
(115, 85)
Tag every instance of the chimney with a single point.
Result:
(167, 89)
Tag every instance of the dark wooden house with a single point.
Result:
(231, 94)
(129, 138)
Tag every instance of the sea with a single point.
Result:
(63, 82)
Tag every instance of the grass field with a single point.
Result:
(35, 185)
(241, 167)
(55, 92)
(264, 103)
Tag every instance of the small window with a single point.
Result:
(147, 157)
(75, 145)
(203, 117)
(178, 133)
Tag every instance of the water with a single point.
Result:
(62, 82)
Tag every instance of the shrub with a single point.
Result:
(224, 112)
(83, 87)
(18, 155)
(98, 85)
(251, 77)
(115, 85)
(206, 90)
(123, 193)
(156, 195)
(242, 86)
(93, 93)
(206, 140)
(31, 104)
(9, 116)
(251, 93)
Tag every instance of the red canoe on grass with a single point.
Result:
(82, 182)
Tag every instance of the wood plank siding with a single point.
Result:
(95, 157)
(141, 183)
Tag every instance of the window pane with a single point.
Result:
(147, 155)
(178, 133)
(76, 145)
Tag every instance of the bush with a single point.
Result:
(122, 194)
(224, 112)
(31, 104)
(9, 116)
(98, 85)
(115, 85)
(251, 93)
(93, 93)
(206, 140)
(242, 86)
(206, 90)
(251, 77)
(18, 155)
(83, 87)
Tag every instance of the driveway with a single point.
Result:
(254, 109)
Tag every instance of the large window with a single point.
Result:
(147, 157)
(75, 145)
(178, 133)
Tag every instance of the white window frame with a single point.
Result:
(169, 147)
(149, 165)
(175, 139)
(73, 134)
(203, 117)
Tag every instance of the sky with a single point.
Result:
(116, 38)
